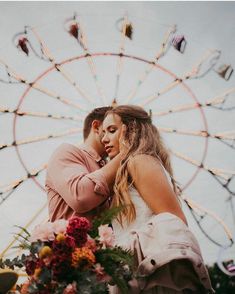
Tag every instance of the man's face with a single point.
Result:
(102, 152)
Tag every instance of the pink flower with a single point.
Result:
(100, 273)
(106, 236)
(59, 226)
(47, 231)
(71, 289)
(91, 244)
(24, 287)
(43, 232)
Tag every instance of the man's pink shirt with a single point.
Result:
(75, 183)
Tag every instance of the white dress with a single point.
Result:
(123, 235)
(143, 214)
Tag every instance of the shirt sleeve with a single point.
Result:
(68, 175)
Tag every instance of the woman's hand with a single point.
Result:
(124, 146)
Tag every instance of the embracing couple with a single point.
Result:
(138, 176)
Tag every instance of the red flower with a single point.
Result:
(64, 247)
(78, 228)
(70, 242)
(76, 222)
(61, 268)
(31, 263)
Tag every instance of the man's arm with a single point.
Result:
(68, 175)
(110, 169)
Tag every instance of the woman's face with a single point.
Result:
(112, 125)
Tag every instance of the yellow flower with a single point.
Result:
(82, 257)
(37, 272)
(60, 237)
(45, 251)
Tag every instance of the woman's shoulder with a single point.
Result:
(143, 163)
(143, 159)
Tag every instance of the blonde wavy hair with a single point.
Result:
(143, 138)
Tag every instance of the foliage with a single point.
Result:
(222, 283)
(73, 256)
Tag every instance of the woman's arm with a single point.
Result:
(152, 184)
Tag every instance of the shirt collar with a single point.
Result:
(91, 151)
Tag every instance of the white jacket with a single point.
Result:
(168, 258)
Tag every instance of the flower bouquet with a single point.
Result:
(71, 257)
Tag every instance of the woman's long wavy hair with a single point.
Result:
(143, 138)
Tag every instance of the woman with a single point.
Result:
(151, 222)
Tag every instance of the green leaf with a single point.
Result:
(116, 254)
(104, 218)
(23, 238)
(117, 262)
(122, 284)
(24, 230)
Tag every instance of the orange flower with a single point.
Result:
(82, 257)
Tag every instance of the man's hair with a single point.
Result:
(95, 114)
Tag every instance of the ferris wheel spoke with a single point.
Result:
(217, 102)
(151, 66)
(59, 67)
(222, 173)
(41, 138)
(197, 72)
(226, 97)
(47, 92)
(26, 226)
(154, 97)
(6, 77)
(82, 41)
(229, 136)
(9, 188)
(120, 61)
(4, 110)
(202, 212)
(222, 176)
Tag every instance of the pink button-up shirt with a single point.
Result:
(75, 183)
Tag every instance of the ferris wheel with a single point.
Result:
(67, 68)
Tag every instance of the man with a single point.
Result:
(77, 182)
